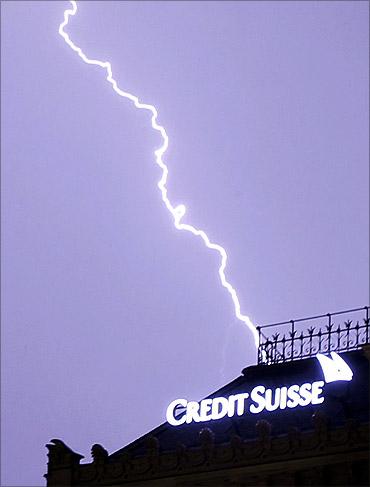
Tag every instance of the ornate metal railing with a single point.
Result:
(305, 337)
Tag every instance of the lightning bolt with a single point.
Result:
(178, 211)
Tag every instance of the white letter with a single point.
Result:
(283, 397)
(219, 401)
(257, 397)
(171, 409)
(293, 394)
(316, 391)
(269, 405)
(231, 409)
(205, 407)
(240, 403)
(305, 393)
(192, 412)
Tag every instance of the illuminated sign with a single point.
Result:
(260, 398)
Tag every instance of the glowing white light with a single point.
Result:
(258, 400)
(316, 391)
(220, 407)
(179, 211)
(334, 368)
(192, 412)
(258, 397)
(170, 414)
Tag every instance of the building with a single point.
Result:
(282, 422)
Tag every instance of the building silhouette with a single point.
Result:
(318, 444)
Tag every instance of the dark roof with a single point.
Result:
(355, 403)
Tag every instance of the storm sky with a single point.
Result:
(108, 311)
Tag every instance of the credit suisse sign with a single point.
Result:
(260, 398)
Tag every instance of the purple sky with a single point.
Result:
(109, 312)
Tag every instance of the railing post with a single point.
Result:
(348, 325)
(338, 338)
(329, 332)
(310, 334)
(367, 325)
(301, 347)
(259, 361)
(292, 332)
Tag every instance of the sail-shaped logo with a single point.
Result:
(334, 368)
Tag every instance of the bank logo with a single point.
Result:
(334, 368)
(260, 398)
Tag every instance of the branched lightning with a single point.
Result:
(176, 211)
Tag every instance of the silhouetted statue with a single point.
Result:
(99, 454)
(60, 454)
